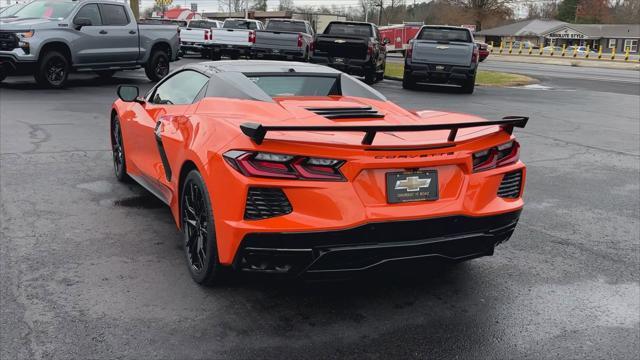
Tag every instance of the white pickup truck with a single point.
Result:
(235, 39)
(196, 34)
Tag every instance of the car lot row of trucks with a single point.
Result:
(434, 54)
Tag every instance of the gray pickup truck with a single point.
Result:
(442, 55)
(284, 39)
(51, 38)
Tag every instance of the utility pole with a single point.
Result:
(381, 4)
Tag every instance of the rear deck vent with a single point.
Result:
(347, 112)
(511, 185)
(264, 203)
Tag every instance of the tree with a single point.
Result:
(260, 5)
(593, 12)
(546, 10)
(233, 5)
(285, 5)
(626, 12)
(567, 10)
(481, 10)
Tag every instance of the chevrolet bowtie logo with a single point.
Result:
(340, 41)
(412, 183)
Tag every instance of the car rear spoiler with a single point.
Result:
(257, 132)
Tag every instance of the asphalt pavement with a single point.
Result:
(92, 269)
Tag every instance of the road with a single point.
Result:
(91, 268)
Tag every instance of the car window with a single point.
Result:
(114, 15)
(240, 24)
(444, 34)
(276, 86)
(343, 29)
(90, 12)
(290, 26)
(199, 24)
(182, 88)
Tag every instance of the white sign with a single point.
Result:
(566, 33)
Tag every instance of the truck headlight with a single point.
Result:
(25, 35)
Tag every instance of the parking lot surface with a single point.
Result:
(93, 269)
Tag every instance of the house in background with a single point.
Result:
(622, 37)
(524, 31)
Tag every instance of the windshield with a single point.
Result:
(48, 9)
(444, 34)
(240, 24)
(202, 25)
(360, 30)
(292, 26)
(276, 86)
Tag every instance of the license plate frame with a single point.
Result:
(412, 186)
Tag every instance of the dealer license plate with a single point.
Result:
(410, 186)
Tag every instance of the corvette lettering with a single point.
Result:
(412, 156)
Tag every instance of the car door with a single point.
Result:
(170, 98)
(90, 47)
(121, 40)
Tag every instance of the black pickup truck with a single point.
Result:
(352, 47)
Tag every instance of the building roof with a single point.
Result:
(596, 31)
(535, 27)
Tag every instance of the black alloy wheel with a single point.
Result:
(117, 148)
(199, 230)
(158, 66)
(53, 70)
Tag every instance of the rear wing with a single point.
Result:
(257, 132)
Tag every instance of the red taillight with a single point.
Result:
(312, 46)
(284, 166)
(410, 49)
(207, 35)
(299, 40)
(370, 49)
(252, 37)
(475, 55)
(501, 155)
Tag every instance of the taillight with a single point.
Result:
(370, 49)
(207, 35)
(252, 37)
(475, 55)
(312, 46)
(501, 155)
(284, 166)
(410, 49)
(299, 40)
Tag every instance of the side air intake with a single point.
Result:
(263, 203)
(347, 112)
(511, 185)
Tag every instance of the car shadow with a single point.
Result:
(23, 83)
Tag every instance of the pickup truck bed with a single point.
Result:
(235, 39)
(284, 39)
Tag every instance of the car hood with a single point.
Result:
(296, 112)
(16, 24)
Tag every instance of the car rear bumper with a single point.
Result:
(439, 73)
(356, 67)
(310, 254)
(273, 53)
(222, 49)
(195, 47)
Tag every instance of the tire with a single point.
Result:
(380, 75)
(105, 74)
(158, 66)
(53, 70)
(408, 83)
(117, 148)
(370, 77)
(468, 86)
(3, 75)
(196, 217)
(215, 57)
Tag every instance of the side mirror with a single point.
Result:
(128, 93)
(386, 41)
(81, 22)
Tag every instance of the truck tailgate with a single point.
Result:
(342, 46)
(276, 39)
(452, 53)
(192, 35)
(231, 36)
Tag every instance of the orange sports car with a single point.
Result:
(299, 169)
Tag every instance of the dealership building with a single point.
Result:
(622, 37)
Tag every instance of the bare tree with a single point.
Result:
(483, 9)
(285, 5)
(233, 5)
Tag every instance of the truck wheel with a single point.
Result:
(215, 56)
(370, 77)
(380, 74)
(158, 66)
(468, 86)
(53, 70)
(105, 74)
(408, 83)
(3, 74)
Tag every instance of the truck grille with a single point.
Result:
(347, 112)
(264, 203)
(8, 41)
(511, 185)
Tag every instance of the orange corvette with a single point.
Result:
(299, 169)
